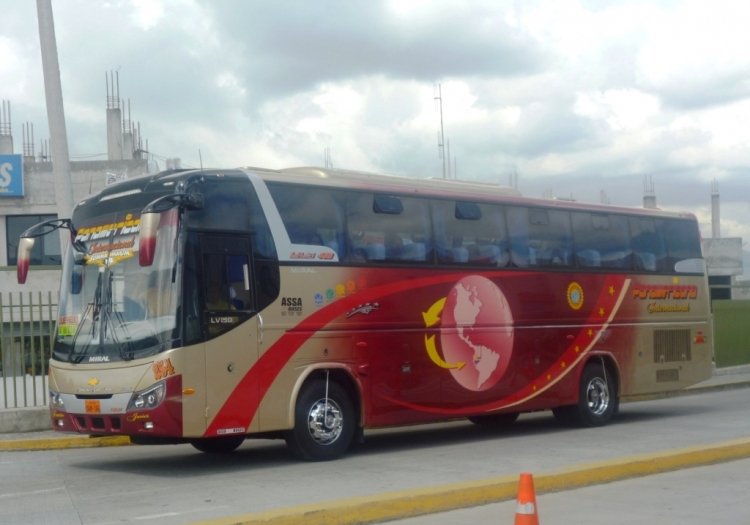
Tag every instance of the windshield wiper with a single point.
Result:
(127, 352)
(77, 356)
(96, 312)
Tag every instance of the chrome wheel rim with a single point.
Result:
(325, 421)
(597, 396)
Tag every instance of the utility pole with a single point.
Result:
(441, 138)
(55, 113)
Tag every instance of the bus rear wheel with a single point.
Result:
(324, 422)
(597, 399)
(218, 445)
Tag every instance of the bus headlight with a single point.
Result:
(55, 400)
(149, 398)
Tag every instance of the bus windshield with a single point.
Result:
(111, 309)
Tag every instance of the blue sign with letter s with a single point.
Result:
(11, 176)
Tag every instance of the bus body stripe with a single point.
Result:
(571, 357)
(244, 401)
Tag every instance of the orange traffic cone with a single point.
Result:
(526, 502)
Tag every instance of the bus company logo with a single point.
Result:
(291, 306)
(302, 255)
(575, 296)
(318, 299)
(476, 358)
(108, 254)
(365, 309)
(665, 292)
(138, 416)
(99, 359)
(163, 368)
(93, 381)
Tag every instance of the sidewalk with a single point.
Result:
(28, 428)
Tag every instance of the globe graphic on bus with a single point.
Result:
(477, 331)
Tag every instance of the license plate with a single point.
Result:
(93, 406)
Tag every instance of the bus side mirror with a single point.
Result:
(147, 238)
(23, 259)
(151, 215)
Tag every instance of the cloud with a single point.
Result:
(574, 97)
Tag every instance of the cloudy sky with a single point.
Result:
(582, 99)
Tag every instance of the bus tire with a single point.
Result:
(323, 426)
(597, 399)
(495, 420)
(218, 445)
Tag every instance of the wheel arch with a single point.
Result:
(338, 372)
(610, 364)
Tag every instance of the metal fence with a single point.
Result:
(27, 324)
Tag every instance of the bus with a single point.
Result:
(312, 305)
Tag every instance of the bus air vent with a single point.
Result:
(672, 346)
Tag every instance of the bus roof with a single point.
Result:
(339, 178)
(376, 182)
(450, 188)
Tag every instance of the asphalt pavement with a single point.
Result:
(465, 502)
(715, 494)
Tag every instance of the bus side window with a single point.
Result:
(388, 228)
(311, 216)
(682, 240)
(550, 239)
(470, 233)
(217, 291)
(227, 282)
(518, 226)
(601, 240)
(647, 242)
(239, 282)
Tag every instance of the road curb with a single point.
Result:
(62, 443)
(430, 500)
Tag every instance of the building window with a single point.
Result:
(46, 249)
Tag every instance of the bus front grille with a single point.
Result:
(98, 423)
(672, 346)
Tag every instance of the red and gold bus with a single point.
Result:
(313, 304)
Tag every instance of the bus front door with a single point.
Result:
(230, 325)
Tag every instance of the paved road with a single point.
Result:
(177, 485)
(716, 495)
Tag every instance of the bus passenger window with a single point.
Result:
(402, 228)
(470, 233)
(602, 240)
(682, 239)
(648, 245)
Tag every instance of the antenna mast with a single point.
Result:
(441, 138)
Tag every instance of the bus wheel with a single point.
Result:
(495, 420)
(323, 422)
(218, 445)
(597, 399)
